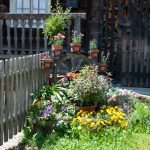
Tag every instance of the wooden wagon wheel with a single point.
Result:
(69, 62)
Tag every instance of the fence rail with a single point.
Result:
(19, 77)
(22, 33)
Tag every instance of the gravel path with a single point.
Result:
(12, 142)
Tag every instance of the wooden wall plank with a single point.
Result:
(2, 102)
(106, 24)
(112, 44)
(119, 46)
(127, 57)
(140, 42)
(146, 46)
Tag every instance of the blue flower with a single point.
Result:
(42, 114)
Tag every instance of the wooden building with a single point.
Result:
(120, 26)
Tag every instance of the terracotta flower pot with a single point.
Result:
(57, 50)
(88, 108)
(75, 47)
(103, 67)
(46, 63)
(94, 53)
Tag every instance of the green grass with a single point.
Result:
(136, 142)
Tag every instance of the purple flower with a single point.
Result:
(48, 109)
(42, 114)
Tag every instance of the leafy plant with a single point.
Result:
(58, 21)
(140, 118)
(76, 38)
(93, 44)
(88, 88)
(59, 39)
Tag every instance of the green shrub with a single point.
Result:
(140, 118)
(88, 88)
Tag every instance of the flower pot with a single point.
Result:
(93, 53)
(57, 50)
(75, 47)
(103, 67)
(46, 63)
(88, 108)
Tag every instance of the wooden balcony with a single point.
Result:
(21, 34)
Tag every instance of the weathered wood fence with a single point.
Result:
(19, 77)
(21, 34)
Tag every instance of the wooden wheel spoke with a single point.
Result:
(70, 62)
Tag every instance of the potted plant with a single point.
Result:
(76, 42)
(57, 45)
(93, 49)
(87, 89)
(103, 62)
(56, 22)
(46, 61)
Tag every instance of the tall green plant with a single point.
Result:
(56, 22)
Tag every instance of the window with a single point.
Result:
(30, 6)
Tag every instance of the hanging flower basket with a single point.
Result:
(103, 67)
(88, 108)
(75, 47)
(57, 50)
(94, 53)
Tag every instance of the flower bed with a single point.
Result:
(56, 110)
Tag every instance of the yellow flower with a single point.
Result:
(102, 111)
(124, 124)
(89, 120)
(108, 111)
(92, 124)
(38, 103)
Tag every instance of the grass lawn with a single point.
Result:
(138, 141)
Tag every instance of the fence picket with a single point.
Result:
(7, 99)
(16, 89)
(1, 102)
(11, 94)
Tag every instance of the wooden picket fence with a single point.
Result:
(19, 77)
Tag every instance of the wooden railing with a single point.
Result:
(19, 77)
(21, 34)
